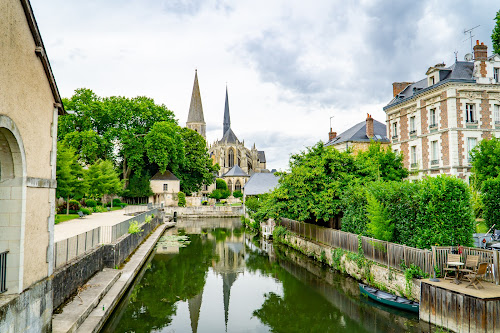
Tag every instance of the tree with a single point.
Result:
(89, 145)
(69, 174)
(491, 200)
(485, 161)
(220, 184)
(102, 179)
(382, 162)
(380, 225)
(495, 36)
(165, 147)
(182, 199)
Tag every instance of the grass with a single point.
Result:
(236, 204)
(63, 218)
(481, 227)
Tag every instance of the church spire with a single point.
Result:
(195, 120)
(227, 119)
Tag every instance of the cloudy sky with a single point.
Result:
(289, 65)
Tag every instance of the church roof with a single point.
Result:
(167, 175)
(261, 155)
(195, 108)
(229, 137)
(261, 183)
(357, 133)
(227, 119)
(235, 171)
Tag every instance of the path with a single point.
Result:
(77, 226)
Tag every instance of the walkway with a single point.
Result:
(78, 226)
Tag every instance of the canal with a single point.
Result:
(210, 276)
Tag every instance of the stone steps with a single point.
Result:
(76, 311)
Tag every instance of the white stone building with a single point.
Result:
(165, 187)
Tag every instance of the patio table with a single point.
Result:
(457, 265)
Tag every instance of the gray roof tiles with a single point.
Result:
(235, 171)
(229, 137)
(261, 155)
(195, 108)
(261, 183)
(167, 175)
(357, 133)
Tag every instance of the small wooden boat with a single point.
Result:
(389, 299)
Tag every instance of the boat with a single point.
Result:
(389, 299)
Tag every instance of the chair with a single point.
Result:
(451, 269)
(80, 214)
(475, 279)
(470, 265)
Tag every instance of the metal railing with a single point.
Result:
(111, 233)
(70, 248)
(3, 272)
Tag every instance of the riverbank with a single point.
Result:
(356, 266)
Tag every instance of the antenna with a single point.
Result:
(469, 31)
(331, 122)
(456, 56)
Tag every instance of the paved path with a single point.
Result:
(77, 226)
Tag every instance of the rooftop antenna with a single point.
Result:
(456, 56)
(331, 122)
(469, 31)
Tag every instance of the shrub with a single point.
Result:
(182, 199)
(116, 202)
(86, 211)
(134, 228)
(279, 232)
(216, 194)
(204, 203)
(74, 205)
(225, 194)
(90, 203)
(220, 184)
(123, 205)
(99, 209)
(238, 194)
(491, 201)
(148, 218)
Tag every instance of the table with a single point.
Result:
(457, 265)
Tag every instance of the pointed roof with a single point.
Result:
(167, 175)
(227, 119)
(195, 108)
(357, 133)
(194, 305)
(227, 282)
(235, 171)
(229, 137)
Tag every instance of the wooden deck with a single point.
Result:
(458, 308)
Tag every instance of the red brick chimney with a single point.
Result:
(398, 87)
(481, 54)
(369, 126)
(332, 135)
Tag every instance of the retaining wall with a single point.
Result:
(205, 211)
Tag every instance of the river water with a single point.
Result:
(226, 280)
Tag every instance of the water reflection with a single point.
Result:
(226, 280)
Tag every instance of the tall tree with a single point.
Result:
(69, 174)
(382, 162)
(495, 36)
(485, 161)
(102, 179)
(165, 147)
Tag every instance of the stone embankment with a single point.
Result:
(205, 211)
(355, 265)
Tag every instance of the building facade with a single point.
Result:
(165, 187)
(437, 121)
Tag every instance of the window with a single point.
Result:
(471, 143)
(165, 187)
(413, 156)
(413, 129)
(470, 116)
(394, 130)
(432, 118)
(496, 113)
(231, 158)
(435, 153)
(431, 81)
(495, 74)
(395, 151)
(237, 186)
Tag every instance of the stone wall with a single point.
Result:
(205, 211)
(31, 311)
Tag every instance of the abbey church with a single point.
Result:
(237, 163)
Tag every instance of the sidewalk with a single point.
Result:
(77, 226)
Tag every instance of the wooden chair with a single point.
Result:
(451, 269)
(475, 279)
(470, 265)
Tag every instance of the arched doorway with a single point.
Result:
(12, 204)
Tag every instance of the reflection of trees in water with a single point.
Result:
(169, 279)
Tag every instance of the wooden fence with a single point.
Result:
(390, 254)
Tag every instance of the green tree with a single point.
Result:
(69, 174)
(380, 225)
(165, 147)
(495, 36)
(89, 145)
(491, 200)
(382, 162)
(220, 184)
(102, 179)
(485, 161)
(182, 199)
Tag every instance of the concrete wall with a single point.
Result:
(204, 211)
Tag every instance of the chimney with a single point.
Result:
(332, 135)
(369, 126)
(480, 51)
(398, 87)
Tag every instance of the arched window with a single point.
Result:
(230, 185)
(237, 185)
(249, 165)
(231, 158)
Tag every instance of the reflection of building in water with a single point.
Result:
(194, 305)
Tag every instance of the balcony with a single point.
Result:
(471, 124)
(3, 271)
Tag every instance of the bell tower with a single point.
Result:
(195, 120)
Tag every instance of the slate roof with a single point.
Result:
(357, 133)
(260, 183)
(235, 171)
(167, 175)
(261, 155)
(229, 137)
(196, 108)
(227, 119)
(460, 71)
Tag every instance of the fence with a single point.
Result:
(72, 247)
(111, 233)
(3, 271)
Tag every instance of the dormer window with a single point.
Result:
(496, 74)
(470, 114)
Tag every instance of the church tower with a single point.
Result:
(195, 120)
(227, 119)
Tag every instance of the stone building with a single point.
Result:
(235, 178)
(165, 187)
(29, 107)
(359, 137)
(437, 121)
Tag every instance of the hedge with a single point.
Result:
(491, 201)
(434, 211)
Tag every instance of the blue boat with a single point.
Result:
(389, 299)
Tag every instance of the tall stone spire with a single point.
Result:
(195, 120)
(227, 119)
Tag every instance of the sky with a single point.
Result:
(289, 66)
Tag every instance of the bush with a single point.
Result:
(74, 205)
(123, 205)
(225, 194)
(279, 232)
(148, 218)
(134, 228)
(90, 203)
(86, 211)
(238, 194)
(182, 199)
(216, 194)
(116, 202)
(491, 201)
(204, 203)
(220, 184)
(99, 209)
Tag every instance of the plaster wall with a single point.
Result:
(174, 186)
